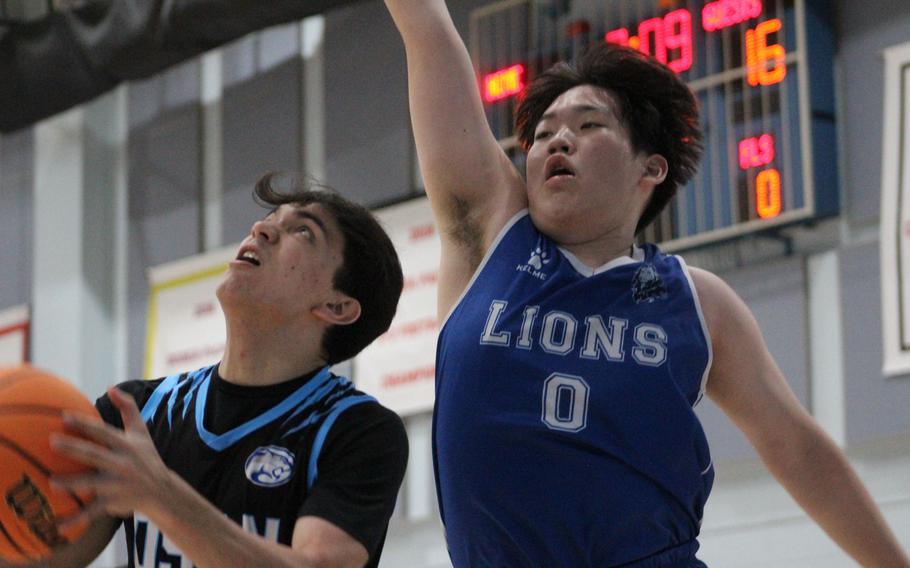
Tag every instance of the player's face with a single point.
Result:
(285, 266)
(583, 176)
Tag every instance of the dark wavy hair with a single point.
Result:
(657, 109)
(370, 271)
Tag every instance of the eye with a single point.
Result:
(541, 135)
(587, 125)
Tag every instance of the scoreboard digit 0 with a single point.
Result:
(762, 71)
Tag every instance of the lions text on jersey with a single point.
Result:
(564, 432)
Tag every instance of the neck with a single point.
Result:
(267, 354)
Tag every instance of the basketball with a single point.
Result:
(31, 405)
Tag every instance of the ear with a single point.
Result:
(342, 310)
(656, 168)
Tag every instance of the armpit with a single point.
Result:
(465, 231)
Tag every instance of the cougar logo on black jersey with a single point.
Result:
(269, 466)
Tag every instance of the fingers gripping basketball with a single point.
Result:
(31, 406)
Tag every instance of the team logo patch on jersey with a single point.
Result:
(536, 261)
(647, 285)
(538, 257)
(269, 466)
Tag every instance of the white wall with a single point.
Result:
(751, 522)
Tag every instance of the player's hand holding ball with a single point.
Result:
(127, 474)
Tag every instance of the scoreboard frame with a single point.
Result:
(800, 162)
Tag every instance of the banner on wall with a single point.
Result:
(14, 329)
(186, 328)
(895, 212)
(399, 367)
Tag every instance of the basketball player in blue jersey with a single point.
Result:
(569, 359)
(266, 459)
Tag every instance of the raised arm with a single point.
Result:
(473, 187)
(748, 386)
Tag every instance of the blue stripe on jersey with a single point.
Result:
(220, 442)
(312, 470)
(151, 405)
(197, 377)
(315, 416)
(319, 394)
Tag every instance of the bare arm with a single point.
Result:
(473, 187)
(132, 477)
(748, 386)
(212, 540)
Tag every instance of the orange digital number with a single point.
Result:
(503, 83)
(759, 53)
(767, 193)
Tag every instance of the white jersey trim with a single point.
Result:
(704, 329)
(486, 257)
(638, 255)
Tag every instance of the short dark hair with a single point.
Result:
(370, 271)
(657, 109)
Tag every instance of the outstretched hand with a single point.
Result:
(129, 473)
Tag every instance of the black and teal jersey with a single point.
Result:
(564, 431)
(267, 455)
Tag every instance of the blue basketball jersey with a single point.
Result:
(564, 432)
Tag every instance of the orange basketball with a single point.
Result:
(31, 406)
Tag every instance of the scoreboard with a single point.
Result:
(761, 70)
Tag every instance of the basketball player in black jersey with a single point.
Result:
(267, 458)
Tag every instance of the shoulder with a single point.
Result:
(708, 285)
(368, 424)
(720, 304)
(742, 367)
(736, 337)
(368, 438)
(140, 390)
(370, 420)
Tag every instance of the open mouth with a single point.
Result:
(250, 257)
(560, 171)
(557, 166)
